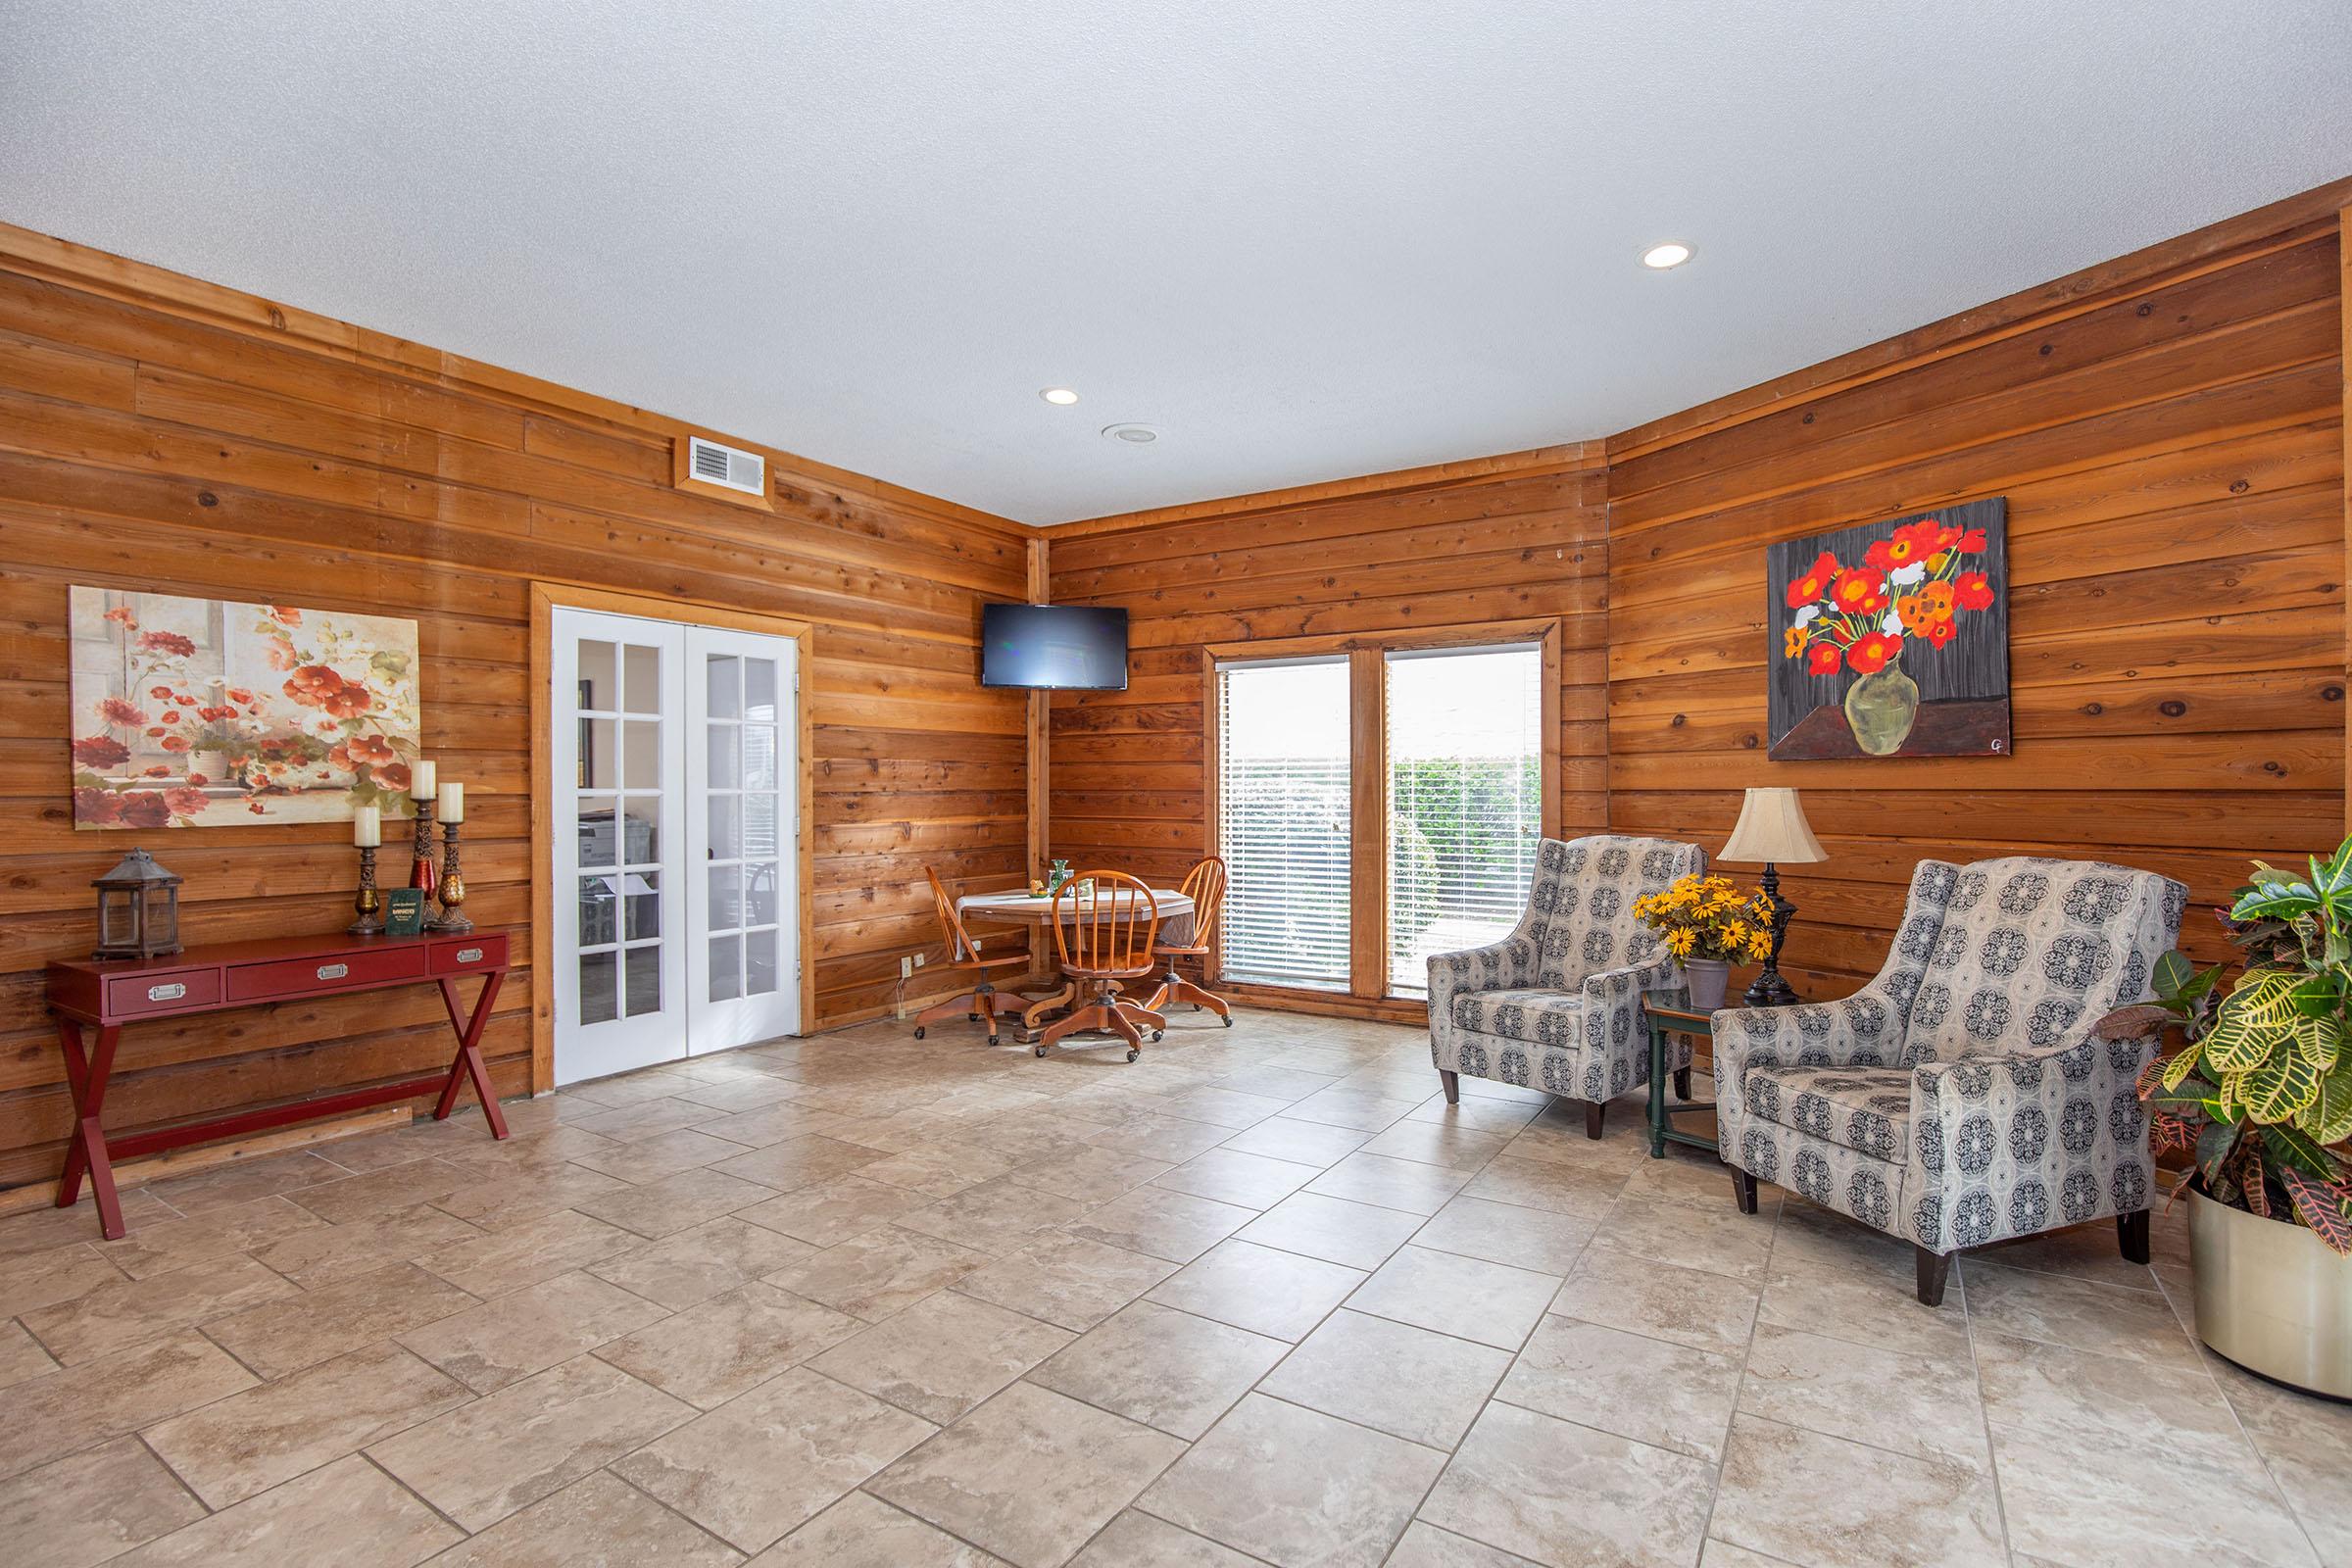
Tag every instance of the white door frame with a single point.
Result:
(545, 907)
(745, 1016)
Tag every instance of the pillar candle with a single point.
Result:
(453, 803)
(366, 827)
(422, 776)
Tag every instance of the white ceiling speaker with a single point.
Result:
(1138, 435)
(731, 466)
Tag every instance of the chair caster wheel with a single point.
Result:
(992, 1040)
(1040, 1050)
(918, 1031)
(1155, 1034)
(1132, 1052)
(1228, 1023)
(1195, 1007)
(971, 1017)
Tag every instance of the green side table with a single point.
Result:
(1663, 1013)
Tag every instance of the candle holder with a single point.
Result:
(421, 869)
(367, 902)
(449, 922)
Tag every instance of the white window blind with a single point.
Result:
(1465, 800)
(1283, 820)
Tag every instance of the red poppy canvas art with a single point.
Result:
(1891, 639)
(210, 712)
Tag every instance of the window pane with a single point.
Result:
(641, 754)
(645, 904)
(726, 967)
(643, 668)
(644, 991)
(598, 1000)
(1284, 821)
(597, 666)
(759, 963)
(1466, 800)
(596, 912)
(598, 844)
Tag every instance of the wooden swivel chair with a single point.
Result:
(978, 1004)
(1103, 943)
(1205, 885)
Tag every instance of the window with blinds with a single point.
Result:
(1283, 820)
(1465, 752)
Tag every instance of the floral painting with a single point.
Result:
(1892, 639)
(192, 712)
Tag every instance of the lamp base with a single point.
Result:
(1769, 991)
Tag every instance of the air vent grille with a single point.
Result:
(731, 466)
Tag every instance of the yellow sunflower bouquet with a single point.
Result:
(1709, 918)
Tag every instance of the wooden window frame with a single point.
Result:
(1367, 994)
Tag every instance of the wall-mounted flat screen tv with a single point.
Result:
(1054, 648)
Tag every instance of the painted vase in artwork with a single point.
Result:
(1881, 708)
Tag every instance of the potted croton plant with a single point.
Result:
(2258, 1093)
(1707, 924)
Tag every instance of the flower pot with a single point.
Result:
(1705, 979)
(1881, 708)
(2272, 1298)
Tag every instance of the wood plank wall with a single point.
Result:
(2169, 430)
(2169, 436)
(166, 435)
(1392, 552)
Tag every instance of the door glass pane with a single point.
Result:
(759, 689)
(1285, 822)
(598, 842)
(1466, 800)
(596, 755)
(643, 674)
(726, 827)
(645, 904)
(597, 689)
(760, 893)
(597, 998)
(641, 831)
(759, 963)
(644, 993)
(726, 897)
(758, 757)
(596, 910)
(759, 826)
(726, 964)
(724, 673)
(641, 755)
(724, 745)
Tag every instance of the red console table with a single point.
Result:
(249, 974)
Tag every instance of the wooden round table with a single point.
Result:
(1020, 909)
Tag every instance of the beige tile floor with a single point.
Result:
(1261, 1297)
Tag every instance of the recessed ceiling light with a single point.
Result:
(1062, 397)
(1133, 434)
(1659, 258)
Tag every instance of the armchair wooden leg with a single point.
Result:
(1934, 1270)
(1743, 1189)
(1452, 1083)
(1595, 1110)
(2132, 1234)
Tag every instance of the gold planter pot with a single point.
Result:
(2271, 1298)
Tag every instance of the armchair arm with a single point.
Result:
(1616, 1048)
(1497, 966)
(1859, 1031)
(2012, 1144)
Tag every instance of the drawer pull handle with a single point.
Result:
(333, 971)
(470, 955)
(171, 992)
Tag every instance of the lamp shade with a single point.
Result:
(1772, 828)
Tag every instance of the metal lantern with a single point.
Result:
(138, 909)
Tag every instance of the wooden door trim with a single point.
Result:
(546, 598)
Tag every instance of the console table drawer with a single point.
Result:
(460, 955)
(297, 975)
(163, 993)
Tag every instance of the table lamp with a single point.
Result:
(1772, 830)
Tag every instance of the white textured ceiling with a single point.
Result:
(1307, 239)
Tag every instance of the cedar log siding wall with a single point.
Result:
(2170, 445)
(2169, 431)
(159, 434)
(1423, 551)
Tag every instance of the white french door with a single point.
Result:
(673, 811)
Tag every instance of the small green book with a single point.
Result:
(403, 912)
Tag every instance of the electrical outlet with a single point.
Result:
(920, 957)
(906, 968)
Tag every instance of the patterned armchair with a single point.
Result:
(1960, 1097)
(1557, 1004)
